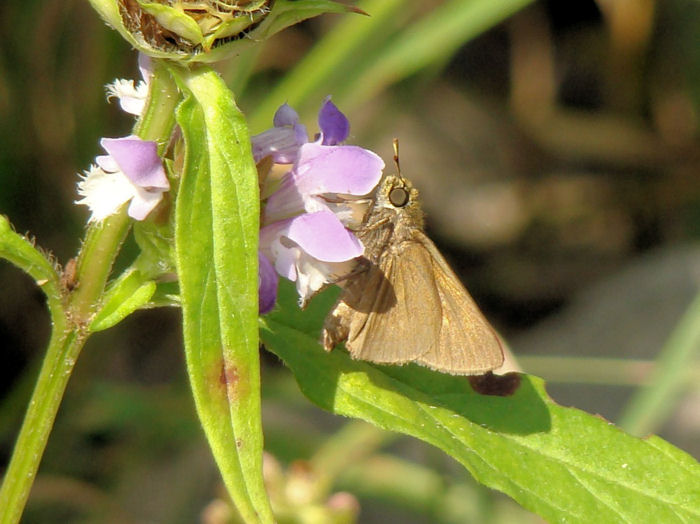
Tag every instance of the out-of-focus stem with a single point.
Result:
(353, 443)
(653, 403)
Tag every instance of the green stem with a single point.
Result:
(56, 370)
(588, 370)
(70, 329)
(652, 404)
(102, 243)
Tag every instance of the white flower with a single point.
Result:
(132, 98)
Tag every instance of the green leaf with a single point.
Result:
(22, 253)
(174, 20)
(131, 291)
(216, 242)
(289, 12)
(156, 249)
(561, 463)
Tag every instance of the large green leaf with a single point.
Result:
(216, 236)
(561, 463)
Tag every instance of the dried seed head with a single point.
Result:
(206, 30)
(187, 26)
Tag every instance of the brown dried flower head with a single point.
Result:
(206, 30)
(188, 26)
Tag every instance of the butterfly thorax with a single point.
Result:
(392, 218)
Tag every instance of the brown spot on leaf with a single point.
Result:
(497, 385)
(229, 374)
(233, 381)
(230, 378)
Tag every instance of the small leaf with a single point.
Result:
(232, 27)
(216, 242)
(289, 12)
(22, 253)
(131, 291)
(562, 463)
(156, 248)
(174, 20)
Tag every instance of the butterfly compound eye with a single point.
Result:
(398, 197)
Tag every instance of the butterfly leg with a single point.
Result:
(335, 328)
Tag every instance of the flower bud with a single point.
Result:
(205, 30)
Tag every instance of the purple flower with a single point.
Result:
(132, 171)
(283, 141)
(334, 125)
(307, 214)
(267, 284)
(311, 249)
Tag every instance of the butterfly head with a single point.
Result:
(399, 200)
(397, 196)
(395, 192)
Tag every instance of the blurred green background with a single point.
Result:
(556, 146)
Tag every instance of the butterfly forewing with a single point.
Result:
(400, 331)
(467, 345)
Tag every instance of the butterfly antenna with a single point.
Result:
(396, 157)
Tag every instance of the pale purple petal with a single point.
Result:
(312, 250)
(107, 163)
(280, 142)
(283, 140)
(348, 170)
(324, 237)
(143, 203)
(300, 133)
(138, 160)
(320, 234)
(285, 261)
(313, 275)
(335, 127)
(272, 247)
(283, 257)
(285, 202)
(285, 116)
(267, 283)
(145, 67)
